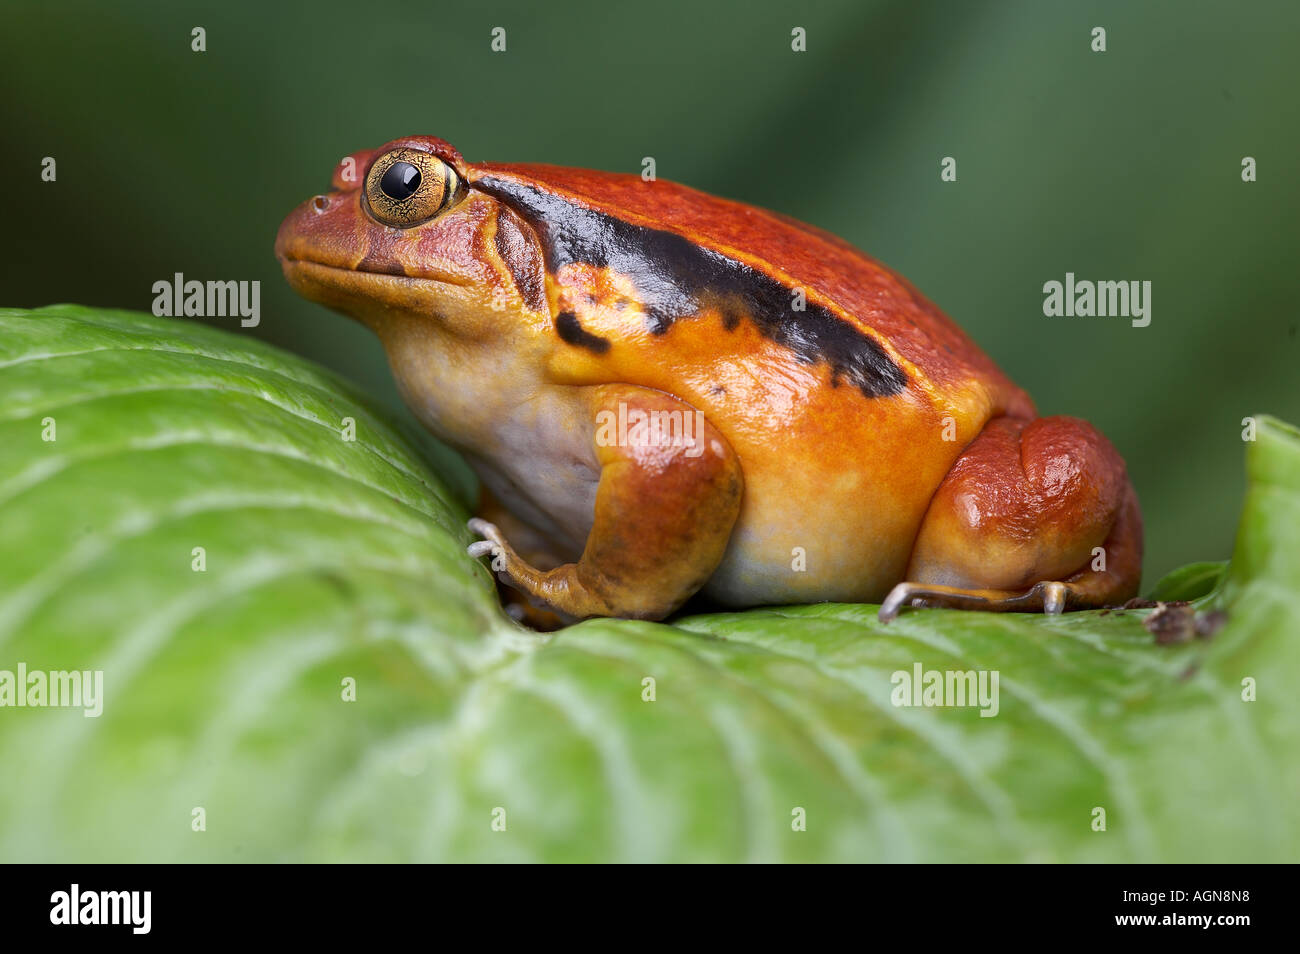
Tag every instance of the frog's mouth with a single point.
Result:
(370, 297)
(337, 284)
(346, 274)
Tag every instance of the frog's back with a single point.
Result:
(864, 319)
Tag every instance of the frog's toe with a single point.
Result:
(488, 531)
(898, 597)
(505, 562)
(1054, 594)
(1050, 596)
(928, 595)
(483, 528)
(493, 541)
(480, 548)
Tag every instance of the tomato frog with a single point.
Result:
(664, 393)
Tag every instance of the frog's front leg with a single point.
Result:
(669, 493)
(534, 547)
(1034, 515)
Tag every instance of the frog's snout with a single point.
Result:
(305, 235)
(291, 228)
(322, 223)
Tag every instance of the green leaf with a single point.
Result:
(1190, 582)
(330, 560)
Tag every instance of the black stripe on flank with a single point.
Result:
(571, 330)
(678, 279)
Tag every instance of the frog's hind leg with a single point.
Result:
(1034, 516)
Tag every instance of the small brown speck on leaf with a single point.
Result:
(1137, 603)
(1207, 624)
(1176, 622)
(1170, 623)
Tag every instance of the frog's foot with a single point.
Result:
(514, 572)
(664, 511)
(1035, 515)
(493, 543)
(1051, 598)
(528, 544)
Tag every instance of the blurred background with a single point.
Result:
(1118, 165)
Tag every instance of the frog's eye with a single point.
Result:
(406, 187)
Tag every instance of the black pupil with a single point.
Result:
(400, 181)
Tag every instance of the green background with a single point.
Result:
(1115, 165)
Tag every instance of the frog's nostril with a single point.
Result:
(320, 203)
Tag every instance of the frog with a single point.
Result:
(669, 396)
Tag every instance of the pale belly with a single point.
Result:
(815, 524)
(813, 536)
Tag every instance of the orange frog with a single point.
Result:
(665, 393)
